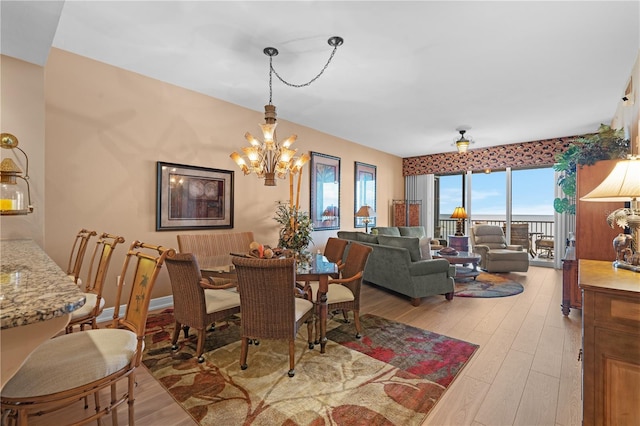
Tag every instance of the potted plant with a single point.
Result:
(607, 144)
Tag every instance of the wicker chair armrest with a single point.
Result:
(303, 291)
(346, 280)
(209, 284)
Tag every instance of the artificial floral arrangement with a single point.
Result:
(607, 144)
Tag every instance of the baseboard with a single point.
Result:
(159, 303)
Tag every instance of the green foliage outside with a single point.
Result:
(607, 144)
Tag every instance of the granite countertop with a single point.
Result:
(32, 286)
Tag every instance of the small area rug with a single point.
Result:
(393, 375)
(487, 285)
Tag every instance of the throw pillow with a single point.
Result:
(388, 230)
(410, 243)
(425, 248)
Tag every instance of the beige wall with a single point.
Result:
(22, 113)
(107, 127)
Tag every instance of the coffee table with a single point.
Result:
(462, 258)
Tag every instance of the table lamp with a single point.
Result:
(460, 214)
(622, 184)
(365, 212)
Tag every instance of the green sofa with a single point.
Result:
(396, 264)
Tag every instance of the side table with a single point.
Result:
(460, 243)
(462, 258)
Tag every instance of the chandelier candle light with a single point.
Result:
(460, 214)
(268, 158)
(622, 184)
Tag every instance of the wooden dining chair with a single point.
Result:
(67, 368)
(94, 303)
(197, 302)
(344, 292)
(268, 304)
(78, 250)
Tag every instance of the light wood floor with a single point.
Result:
(526, 371)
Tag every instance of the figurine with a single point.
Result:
(620, 244)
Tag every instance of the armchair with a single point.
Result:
(496, 255)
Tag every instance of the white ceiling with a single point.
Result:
(408, 74)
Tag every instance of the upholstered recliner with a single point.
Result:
(496, 255)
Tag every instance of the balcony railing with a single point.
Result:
(536, 228)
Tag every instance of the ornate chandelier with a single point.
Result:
(270, 159)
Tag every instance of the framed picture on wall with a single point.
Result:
(364, 193)
(192, 197)
(325, 191)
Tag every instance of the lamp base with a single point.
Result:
(625, 265)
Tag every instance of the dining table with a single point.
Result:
(36, 301)
(318, 268)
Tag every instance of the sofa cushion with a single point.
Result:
(349, 235)
(410, 243)
(412, 231)
(387, 230)
(367, 238)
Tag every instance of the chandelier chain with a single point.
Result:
(272, 70)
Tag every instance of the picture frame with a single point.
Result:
(193, 197)
(325, 191)
(364, 192)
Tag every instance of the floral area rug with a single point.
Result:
(393, 375)
(487, 285)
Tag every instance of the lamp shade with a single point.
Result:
(459, 213)
(365, 211)
(622, 184)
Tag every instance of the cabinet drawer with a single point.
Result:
(618, 310)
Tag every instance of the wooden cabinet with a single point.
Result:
(571, 295)
(611, 344)
(594, 237)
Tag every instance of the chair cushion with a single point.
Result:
(220, 300)
(89, 304)
(302, 307)
(337, 293)
(410, 243)
(72, 360)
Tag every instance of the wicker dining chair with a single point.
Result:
(67, 368)
(78, 250)
(344, 292)
(269, 306)
(197, 302)
(334, 250)
(94, 303)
